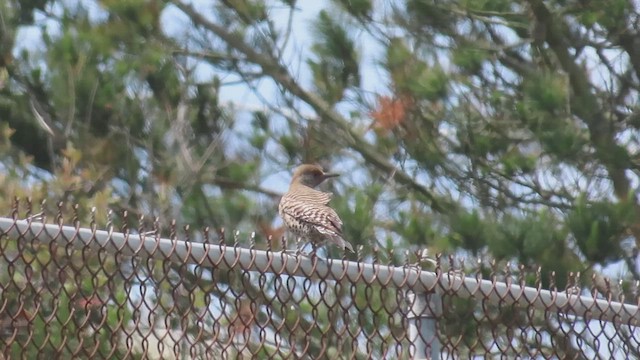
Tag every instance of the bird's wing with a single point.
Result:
(324, 218)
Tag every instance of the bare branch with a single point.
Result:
(281, 75)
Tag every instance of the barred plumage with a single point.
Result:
(305, 212)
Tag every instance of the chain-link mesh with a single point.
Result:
(77, 292)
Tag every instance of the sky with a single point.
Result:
(240, 96)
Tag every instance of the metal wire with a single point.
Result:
(79, 292)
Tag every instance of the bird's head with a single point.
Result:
(310, 175)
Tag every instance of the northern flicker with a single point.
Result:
(305, 212)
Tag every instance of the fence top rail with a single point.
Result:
(403, 277)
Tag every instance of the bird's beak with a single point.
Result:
(330, 175)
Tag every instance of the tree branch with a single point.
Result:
(281, 76)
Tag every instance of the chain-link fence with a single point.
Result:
(78, 292)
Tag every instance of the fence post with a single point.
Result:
(424, 310)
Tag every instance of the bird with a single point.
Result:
(305, 210)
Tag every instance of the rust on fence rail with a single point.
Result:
(72, 291)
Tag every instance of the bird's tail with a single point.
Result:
(344, 244)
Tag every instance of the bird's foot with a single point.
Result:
(311, 255)
(422, 259)
(291, 252)
(150, 233)
(35, 217)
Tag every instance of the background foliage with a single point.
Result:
(487, 129)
